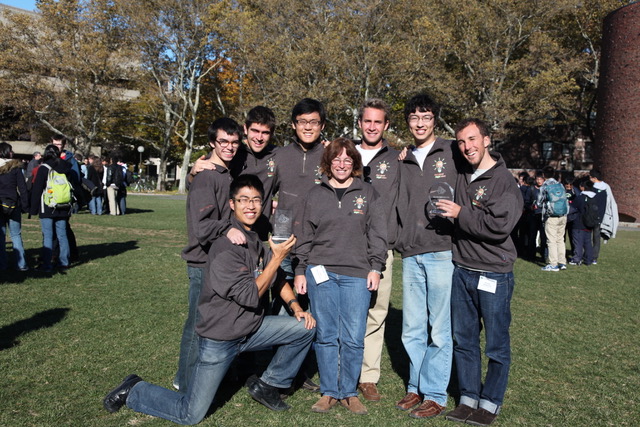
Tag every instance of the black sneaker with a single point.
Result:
(118, 396)
(268, 395)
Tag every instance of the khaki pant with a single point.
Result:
(111, 196)
(554, 230)
(374, 336)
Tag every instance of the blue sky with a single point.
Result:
(22, 4)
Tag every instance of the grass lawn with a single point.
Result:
(67, 339)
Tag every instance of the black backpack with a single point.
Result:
(590, 215)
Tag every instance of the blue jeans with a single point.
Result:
(471, 310)
(189, 407)
(47, 225)
(189, 341)
(121, 200)
(426, 323)
(95, 205)
(340, 306)
(584, 249)
(15, 229)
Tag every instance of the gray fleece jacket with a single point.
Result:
(347, 236)
(490, 208)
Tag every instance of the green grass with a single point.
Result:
(67, 339)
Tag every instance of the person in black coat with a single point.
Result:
(52, 220)
(14, 200)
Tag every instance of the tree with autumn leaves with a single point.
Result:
(516, 64)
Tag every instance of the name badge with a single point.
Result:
(319, 274)
(487, 285)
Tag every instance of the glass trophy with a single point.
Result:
(437, 192)
(282, 225)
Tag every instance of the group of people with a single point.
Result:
(448, 208)
(32, 188)
(581, 208)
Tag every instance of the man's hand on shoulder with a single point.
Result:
(236, 236)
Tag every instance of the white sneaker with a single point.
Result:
(550, 267)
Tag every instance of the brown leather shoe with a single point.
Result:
(369, 391)
(408, 402)
(325, 404)
(481, 417)
(354, 405)
(460, 413)
(428, 409)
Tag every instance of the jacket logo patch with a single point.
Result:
(318, 179)
(382, 169)
(480, 193)
(359, 202)
(271, 167)
(439, 165)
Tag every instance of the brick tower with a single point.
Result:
(617, 145)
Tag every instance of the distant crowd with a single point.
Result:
(581, 208)
(53, 186)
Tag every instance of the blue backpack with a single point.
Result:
(556, 197)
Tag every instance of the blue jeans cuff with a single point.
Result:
(465, 400)
(489, 406)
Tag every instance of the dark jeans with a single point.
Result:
(471, 310)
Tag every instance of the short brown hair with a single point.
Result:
(334, 149)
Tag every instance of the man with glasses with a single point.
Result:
(257, 157)
(232, 321)
(424, 241)
(208, 218)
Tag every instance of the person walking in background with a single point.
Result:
(609, 214)
(53, 220)
(555, 207)
(583, 254)
(14, 200)
(33, 163)
(538, 222)
(95, 172)
(60, 141)
(341, 252)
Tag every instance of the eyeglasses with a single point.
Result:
(313, 123)
(418, 119)
(244, 201)
(346, 162)
(224, 143)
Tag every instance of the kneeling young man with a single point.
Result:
(487, 208)
(232, 321)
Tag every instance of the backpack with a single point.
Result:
(556, 197)
(58, 191)
(128, 178)
(590, 215)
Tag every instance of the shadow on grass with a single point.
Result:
(88, 253)
(9, 334)
(133, 211)
(393, 341)
(398, 355)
